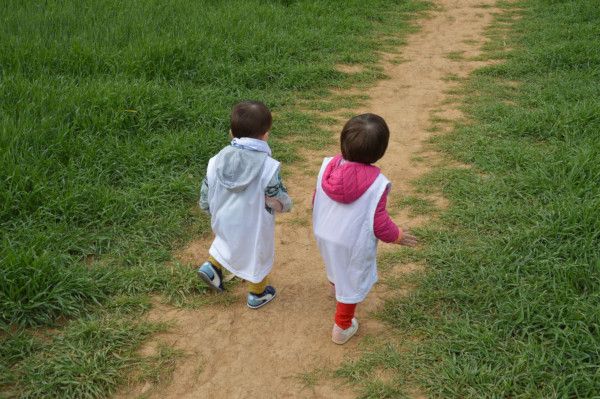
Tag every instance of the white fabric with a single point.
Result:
(244, 230)
(346, 239)
(252, 144)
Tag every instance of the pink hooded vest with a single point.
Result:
(345, 182)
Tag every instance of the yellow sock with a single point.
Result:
(258, 288)
(253, 288)
(214, 262)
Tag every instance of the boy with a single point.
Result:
(242, 191)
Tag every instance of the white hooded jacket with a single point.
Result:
(243, 226)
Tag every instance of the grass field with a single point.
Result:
(509, 304)
(109, 111)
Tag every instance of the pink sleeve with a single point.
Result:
(385, 228)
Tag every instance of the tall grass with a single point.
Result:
(110, 110)
(509, 305)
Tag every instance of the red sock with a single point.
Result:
(344, 312)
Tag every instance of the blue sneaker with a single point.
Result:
(212, 276)
(256, 301)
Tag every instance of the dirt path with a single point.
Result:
(234, 352)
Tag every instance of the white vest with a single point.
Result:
(244, 230)
(346, 239)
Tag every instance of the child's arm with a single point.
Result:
(276, 195)
(204, 196)
(385, 228)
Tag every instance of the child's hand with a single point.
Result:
(274, 204)
(407, 239)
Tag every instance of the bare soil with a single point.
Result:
(234, 352)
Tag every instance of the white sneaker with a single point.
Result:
(212, 276)
(256, 301)
(340, 336)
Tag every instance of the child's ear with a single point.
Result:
(265, 136)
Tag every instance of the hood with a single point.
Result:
(236, 167)
(345, 181)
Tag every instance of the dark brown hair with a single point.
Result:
(250, 119)
(364, 138)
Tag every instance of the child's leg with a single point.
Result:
(253, 288)
(344, 313)
(258, 288)
(215, 263)
(345, 325)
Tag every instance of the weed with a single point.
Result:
(309, 379)
(157, 368)
(456, 55)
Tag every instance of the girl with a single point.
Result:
(349, 216)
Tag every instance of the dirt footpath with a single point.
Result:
(234, 352)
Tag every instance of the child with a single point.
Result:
(241, 192)
(349, 216)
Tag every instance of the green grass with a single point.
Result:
(456, 55)
(109, 112)
(381, 372)
(158, 368)
(87, 359)
(509, 305)
(337, 102)
(416, 205)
